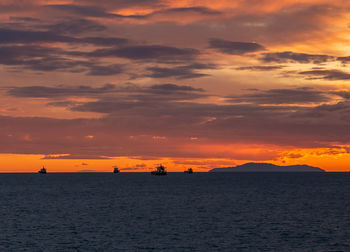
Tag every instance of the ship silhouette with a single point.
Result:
(116, 170)
(160, 171)
(42, 170)
(189, 171)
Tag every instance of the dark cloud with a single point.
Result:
(120, 4)
(10, 36)
(105, 70)
(48, 59)
(165, 104)
(198, 9)
(148, 52)
(179, 72)
(343, 94)
(166, 88)
(144, 103)
(53, 63)
(94, 11)
(103, 41)
(40, 58)
(140, 99)
(75, 26)
(24, 19)
(163, 93)
(52, 92)
(260, 68)
(74, 157)
(20, 48)
(234, 48)
(27, 54)
(336, 112)
(292, 57)
(344, 60)
(331, 75)
(90, 11)
(17, 55)
(131, 95)
(340, 108)
(62, 103)
(135, 118)
(132, 130)
(284, 96)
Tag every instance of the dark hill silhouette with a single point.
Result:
(266, 167)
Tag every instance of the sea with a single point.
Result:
(178, 212)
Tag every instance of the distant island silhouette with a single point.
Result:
(266, 167)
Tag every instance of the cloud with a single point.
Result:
(103, 41)
(170, 88)
(52, 92)
(38, 58)
(179, 72)
(23, 48)
(12, 36)
(260, 68)
(89, 11)
(74, 157)
(234, 48)
(331, 75)
(343, 94)
(105, 70)
(55, 64)
(152, 102)
(148, 52)
(77, 38)
(344, 60)
(133, 116)
(75, 26)
(187, 10)
(8, 36)
(120, 4)
(113, 96)
(213, 125)
(94, 11)
(16, 55)
(24, 19)
(283, 96)
(292, 57)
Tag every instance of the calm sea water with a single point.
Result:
(178, 212)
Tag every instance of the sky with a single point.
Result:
(90, 85)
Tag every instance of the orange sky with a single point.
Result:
(184, 83)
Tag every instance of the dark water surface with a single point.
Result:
(178, 212)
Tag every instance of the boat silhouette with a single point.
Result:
(189, 171)
(42, 170)
(116, 170)
(160, 171)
